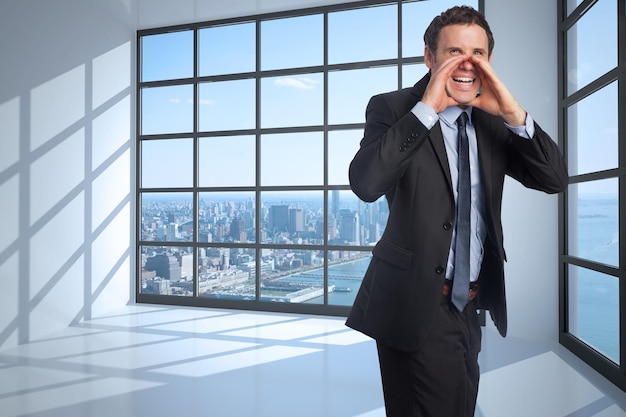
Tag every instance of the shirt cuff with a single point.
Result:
(425, 114)
(527, 131)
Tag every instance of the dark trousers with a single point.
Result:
(440, 379)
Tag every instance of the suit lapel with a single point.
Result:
(436, 140)
(435, 136)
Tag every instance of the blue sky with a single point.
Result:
(297, 100)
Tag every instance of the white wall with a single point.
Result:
(67, 158)
(525, 57)
(66, 164)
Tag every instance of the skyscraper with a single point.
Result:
(296, 220)
(279, 218)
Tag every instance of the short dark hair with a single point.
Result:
(457, 15)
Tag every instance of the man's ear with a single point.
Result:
(429, 57)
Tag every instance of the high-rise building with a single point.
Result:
(172, 232)
(296, 220)
(238, 229)
(279, 218)
(165, 266)
(335, 203)
(349, 226)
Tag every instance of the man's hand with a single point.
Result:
(435, 94)
(495, 98)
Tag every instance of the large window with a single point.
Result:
(245, 131)
(593, 125)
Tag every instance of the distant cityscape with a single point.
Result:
(286, 275)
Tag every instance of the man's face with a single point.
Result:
(454, 40)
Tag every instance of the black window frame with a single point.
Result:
(319, 309)
(614, 372)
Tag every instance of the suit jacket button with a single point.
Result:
(447, 226)
(439, 270)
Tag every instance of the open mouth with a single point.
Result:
(466, 81)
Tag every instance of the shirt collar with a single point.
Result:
(449, 115)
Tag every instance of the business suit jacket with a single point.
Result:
(403, 160)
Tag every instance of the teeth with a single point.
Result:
(463, 80)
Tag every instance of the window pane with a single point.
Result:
(167, 270)
(296, 100)
(226, 217)
(354, 222)
(292, 159)
(227, 49)
(412, 73)
(292, 42)
(594, 310)
(297, 276)
(227, 105)
(416, 16)
(345, 273)
(292, 217)
(572, 4)
(227, 161)
(167, 217)
(350, 91)
(167, 56)
(228, 273)
(167, 163)
(167, 110)
(593, 132)
(342, 146)
(592, 52)
(345, 27)
(594, 221)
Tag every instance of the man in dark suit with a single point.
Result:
(434, 267)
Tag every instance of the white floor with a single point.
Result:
(161, 361)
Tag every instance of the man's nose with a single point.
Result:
(466, 64)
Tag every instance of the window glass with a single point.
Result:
(594, 310)
(295, 276)
(167, 56)
(167, 109)
(416, 16)
(292, 42)
(592, 52)
(292, 100)
(226, 217)
(349, 92)
(226, 161)
(593, 230)
(228, 49)
(292, 159)
(342, 146)
(345, 273)
(292, 217)
(226, 105)
(227, 273)
(244, 159)
(352, 39)
(167, 163)
(412, 73)
(167, 217)
(593, 132)
(572, 4)
(167, 270)
(353, 222)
